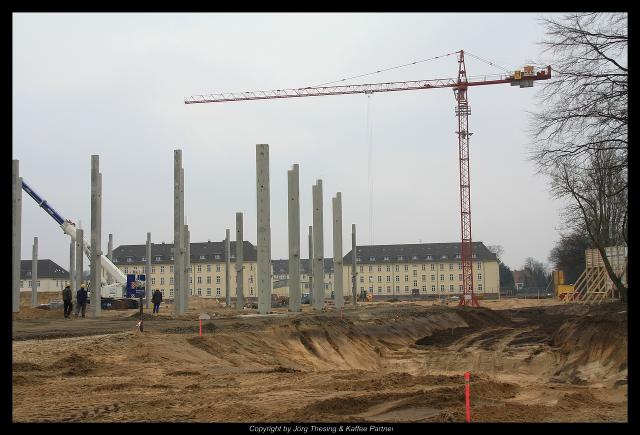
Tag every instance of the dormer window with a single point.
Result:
(217, 257)
(458, 256)
(158, 258)
(129, 259)
(372, 258)
(415, 257)
(202, 257)
(443, 257)
(429, 257)
(171, 258)
(143, 259)
(400, 258)
(473, 255)
(386, 258)
(358, 259)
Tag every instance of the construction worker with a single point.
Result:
(156, 299)
(67, 298)
(81, 297)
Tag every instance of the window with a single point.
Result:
(424, 288)
(406, 278)
(451, 287)
(30, 283)
(441, 266)
(250, 279)
(450, 266)
(479, 287)
(370, 279)
(424, 277)
(460, 287)
(158, 258)
(370, 268)
(361, 278)
(400, 258)
(171, 280)
(443, 257)
(479, 277)
(459, 265)
(359, 260)
(441, 277)
(397, 268)
(153, 281)
(406, 289)
(433, 277)
(218, 268)
(208, 291)
(199, 280)
(161, 281)
(388, 279)
(361, 288)
(379, 278)
(162, 291)
(208, 268)
(379, 289)
(126, 270)
(361, 268)
(251, 267)
(406, 267)
(199, 291)
(162, 269)
(459, 277)
(170, 292)
(217, 256)
(451, 277)
(415, 283)
(479, 264)
(433, 288)
(191, 292)
(372, 258)
(433, 266)
(386, 258)
(129, 259)
(415, 273)
(388, 289)
(388, 268)
(143, 259)
(199, 268)
(371, 289)
(379, 268)
(441, 287)
(424, 267)
(209, 280)
(458, 256)
(473, 255)
(171, 258)
(429, 257)
(153, 269)
(190, 280)
(218, 291)
(397, 278)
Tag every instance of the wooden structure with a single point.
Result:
(594, 286)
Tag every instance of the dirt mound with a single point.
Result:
(75, 365)
(29, 313)
(26, 367)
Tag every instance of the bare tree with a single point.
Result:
(580, 133)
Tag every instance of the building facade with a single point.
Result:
(51, 276)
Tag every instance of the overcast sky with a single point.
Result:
(114, 85)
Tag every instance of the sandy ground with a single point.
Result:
(530, 360)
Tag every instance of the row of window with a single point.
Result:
(424, 288)
(424, 278)
(424, 267)
(415, 257)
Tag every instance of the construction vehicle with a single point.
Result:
(108, 292)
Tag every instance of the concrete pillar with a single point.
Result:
(318, 248)
(239, 265)
(96, 227)
(294, 239)
(147, 272)
(187, 270)
(79, 261)
(310, 271)
(227, 267)
(110, 257)
(34, 274)
(178, 229)
(264, 229)
(337, 251)
(354, 273)
(72, 265)
(16, 235)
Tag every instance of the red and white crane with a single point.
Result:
(523, 78)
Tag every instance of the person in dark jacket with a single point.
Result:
(156, 299)
(67, 298)
(81, 299)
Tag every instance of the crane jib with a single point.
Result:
(42, 203)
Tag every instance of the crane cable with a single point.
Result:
(488, 62)
(369, 139)
(384, 70)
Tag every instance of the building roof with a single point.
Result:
(47, 269)
(200, 252)
(281, 267)
(416, 252)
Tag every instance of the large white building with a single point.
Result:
(51, 276)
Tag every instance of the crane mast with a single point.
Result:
(522, 78)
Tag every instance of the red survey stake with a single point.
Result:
(467, 376)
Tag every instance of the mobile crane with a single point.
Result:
(122, 288)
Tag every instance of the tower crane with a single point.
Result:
(460, 85)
